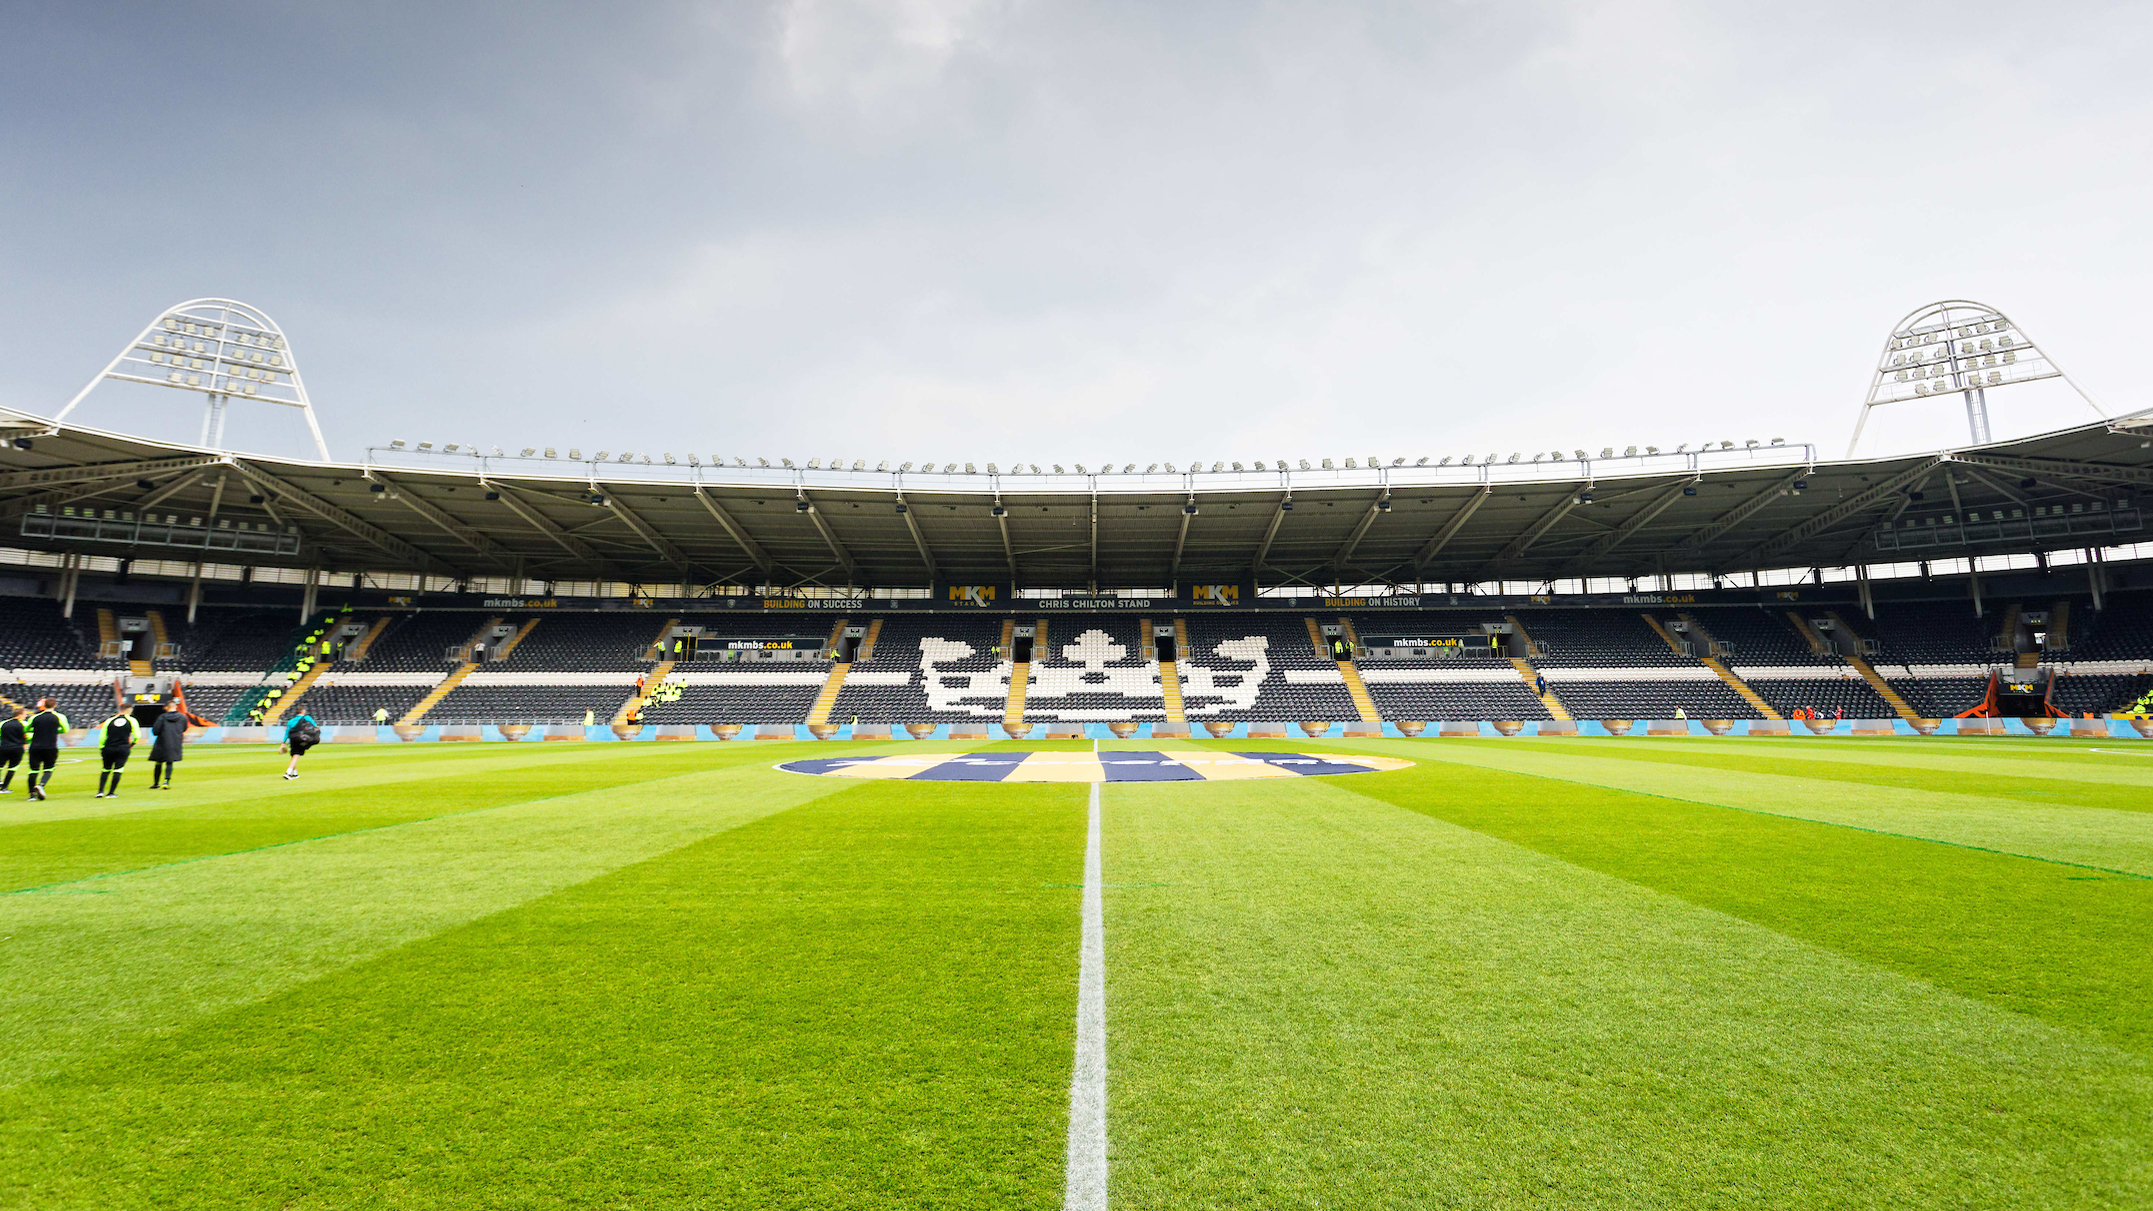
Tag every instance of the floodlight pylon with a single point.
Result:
(220, 348)
(1958, 346)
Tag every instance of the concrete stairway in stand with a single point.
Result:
(632, 709)
(1531, 678)
(1170, 677)
(292, 694)
(1755, 700)
(1870, 675)
(365, 644)
(1357, 689)
(455, 678)
(826, 698)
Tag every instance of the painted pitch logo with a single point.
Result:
(972, 594)
(1217, 594)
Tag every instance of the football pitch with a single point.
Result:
(1525, 973)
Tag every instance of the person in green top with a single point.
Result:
(121, 734)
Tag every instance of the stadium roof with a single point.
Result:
(66, 488)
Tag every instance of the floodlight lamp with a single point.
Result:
(1383, 504)
(1444, 463)
(670, 463)
(906, 467)
(968, 469)
(1751, 443)
(1584, 498)
(1652, 449)
(1800, 484)
(950, 469)
(1237, 467)
(602, 456)
(1286, 504)
(802, 506)
(575, 454)
(1129, 469)
(426, 445)
(1629, 452)
(1058, 469)
(377, 487)
(498, 454)
(23, 443)
(1170, 469)
(1779, 441)
(1351, 467)
(882, 466)
(1538, 456)
(493, 496)
(1326, 465)
(1684, 446)
(997, 511)
(1189, 510)
(1726, 445)
(1149, 469)
(1422, 462)
(859, 464)
(1217, 467)
(1304, 464)
(1466, 461)
(398, 444)
(901, 507)
(528, 451)
(991, 470)
(1079, 468)
(786, 461)
(1582, 456)
(814, 464)
(1607, 452)
(1514, 458)
(451, 448)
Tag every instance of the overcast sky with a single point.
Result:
(960, 229)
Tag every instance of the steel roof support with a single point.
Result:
(2107, 473)
(348, 522)
(1629, 529)
(54, 476)
(546, 526)
(1829, 517)
(1181, 540)
(919, 539)
(467, 535)
(643, 530)
(1270, 533)
(1450, 528)
(1360, 529)
(1743, 512)
(844, 557)
(1533, 533)
(739, 535)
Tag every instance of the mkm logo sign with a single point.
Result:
(1216, 594)
(972, 594)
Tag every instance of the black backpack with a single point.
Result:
(303, 731)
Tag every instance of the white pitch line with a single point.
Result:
(1085, 1189)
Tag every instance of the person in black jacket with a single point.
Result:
(170, 745)
(121, 735)
(45, 729)
(11, 742)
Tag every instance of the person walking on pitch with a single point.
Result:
(300, 734)
(121, 735)
(11, 742)
(170, 745)
(45, 729)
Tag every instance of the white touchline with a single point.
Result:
(1085, 1189)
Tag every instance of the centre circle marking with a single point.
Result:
(1165, 765)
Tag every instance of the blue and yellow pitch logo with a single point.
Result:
(1169, 765)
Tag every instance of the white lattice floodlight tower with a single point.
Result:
(1961, 346)
(223, 349)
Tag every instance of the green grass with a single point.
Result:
(1634, 973)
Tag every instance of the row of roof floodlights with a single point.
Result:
(1777, 449)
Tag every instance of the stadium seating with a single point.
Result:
(1259, 666)
(929, 669)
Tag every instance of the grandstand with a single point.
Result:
(1756, 586)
